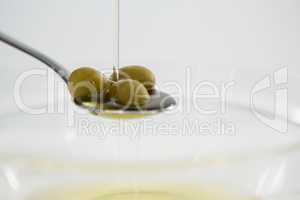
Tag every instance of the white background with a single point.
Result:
(224, 32)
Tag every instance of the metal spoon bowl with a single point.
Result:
(159, 101)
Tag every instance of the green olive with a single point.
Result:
(130, 93)
(87, 84)
(138, 73)
(112, 91)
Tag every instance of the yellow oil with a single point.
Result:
(111, 112)
(166, 192)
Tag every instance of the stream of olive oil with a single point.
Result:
(116, 38)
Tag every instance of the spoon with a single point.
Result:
(159, 101)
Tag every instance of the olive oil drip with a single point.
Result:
(116, 65)
(116, 39)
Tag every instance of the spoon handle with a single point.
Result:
(60, 70)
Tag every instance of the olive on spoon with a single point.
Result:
(157, 102)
